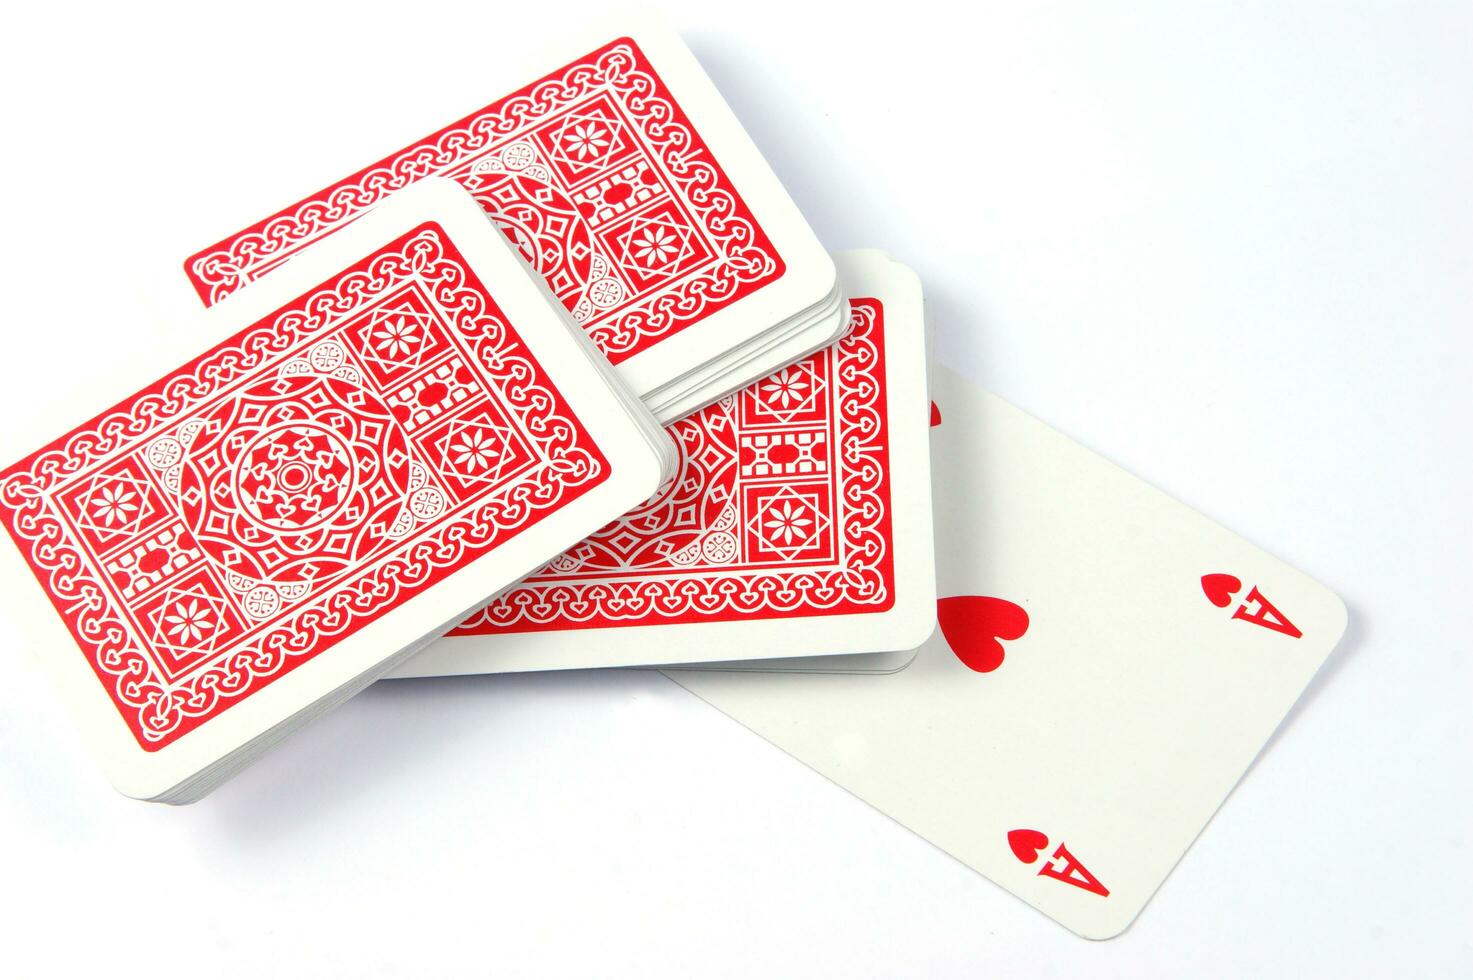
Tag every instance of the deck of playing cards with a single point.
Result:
(330, 469)
(797, 526)
(624, 179)
(419, 429)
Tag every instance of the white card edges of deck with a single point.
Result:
(309, 482)
(799, 524)
(1110, 663)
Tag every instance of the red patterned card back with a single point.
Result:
(781, 507)
(594, 172)
(243, 514)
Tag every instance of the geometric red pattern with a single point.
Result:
(781, 507)
(244, 513)
(598, 177)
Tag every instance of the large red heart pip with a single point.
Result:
(1026, 844)
(1219, 588)
(973, 625)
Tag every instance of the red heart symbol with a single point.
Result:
(1219, 588)
(935, 415)
(973, 624)
(1026, 844)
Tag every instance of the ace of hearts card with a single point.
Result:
(1108, 665)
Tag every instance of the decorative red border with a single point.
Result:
(158, 709)
(745, 261)
(860, 581)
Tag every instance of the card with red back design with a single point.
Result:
(1109, 663)
(621, 175)
(798, 523)
(307, 484)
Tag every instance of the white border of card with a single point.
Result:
(1109, 665)
(795, 314)
(637, 450)
(884, 662)
(903, 627)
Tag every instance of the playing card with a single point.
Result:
(313, 479)
(798, 523)
(625, 180)
(1108, 664)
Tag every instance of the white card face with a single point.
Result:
(799, 523)
(618, 170)
(1109, 664)
(308, 481)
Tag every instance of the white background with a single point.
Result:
(1230, 246)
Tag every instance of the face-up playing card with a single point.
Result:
(798, 523)
(318, 476)
(1108, 665)
(625, 181)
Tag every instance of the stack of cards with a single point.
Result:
(328, 471)
(624, 179)
(797, 526)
